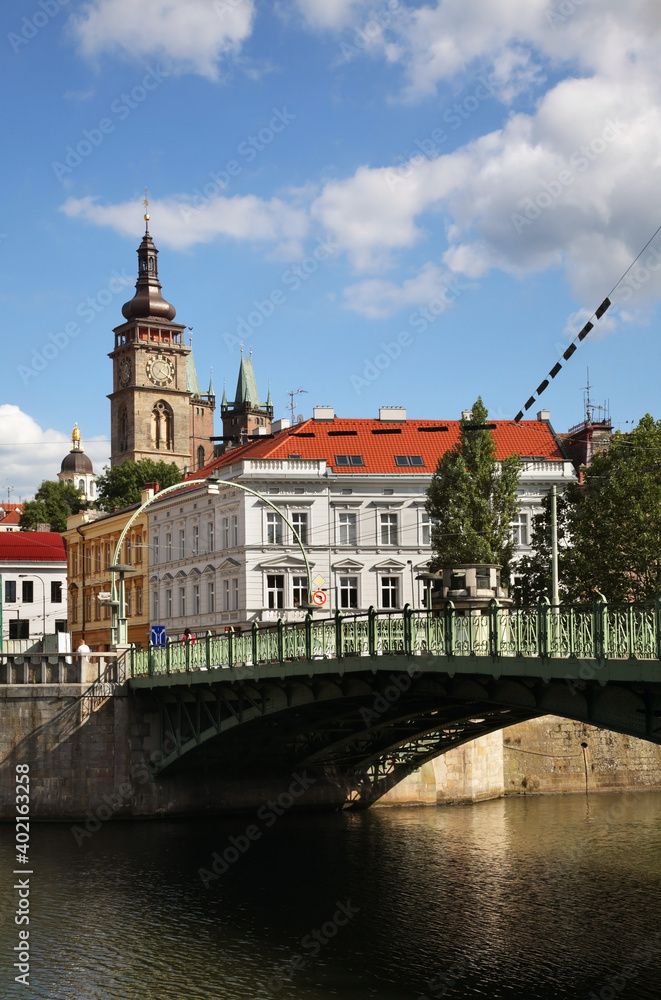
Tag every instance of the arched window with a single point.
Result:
(200, 457)
(81, 485)
(162, 426)
(123, 429)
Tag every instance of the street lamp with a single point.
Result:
(23, 576)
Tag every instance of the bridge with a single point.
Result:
(361, 700)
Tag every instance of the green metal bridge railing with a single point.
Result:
(599, 632)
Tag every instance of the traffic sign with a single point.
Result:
(319, 598)
(158, 635)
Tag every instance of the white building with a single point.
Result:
(77, 469)
(354, 490)
(33, 573)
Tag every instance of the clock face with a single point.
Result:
(124, 372)
(160, 370)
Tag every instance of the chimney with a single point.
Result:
(392, 413)
(544, 415)
(466, 414)
(320, 413)
(279, 425)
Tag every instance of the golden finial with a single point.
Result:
(145, 202)
(241, 347)
(75, 433)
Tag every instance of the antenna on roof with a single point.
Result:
(10, 490)
(291, 406)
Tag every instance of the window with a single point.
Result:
(349, 460)
(235, 594)
(196, 598)
(60, 625)
(138, 546)
(182, 601)
(138, 600)
(129, 602)
(129, 551)
(97, 608)
(97, 559)
(300, 590)
(211, 597)
(19, 628)
(389, 592)
(196, 539)
(275, 590)
(27, 592)
(409, 460)
(520, 529)
(482, 579)
(73, 604)
(300, 524)
(154, 546)
(10, 591)
(168, 547)
(168, 604)
(274, 530)
(155, 606)
(74, 562)
(162, 426)
(55, 592)
(108, 563)
(425, 528)
(200, 457)
(226, 532)
(388, 529)
(226, 595)
(182, 543)
(88, 559)
(347, 526)
(88, 607)
(211, 543)
(348, 591)
(235, 529)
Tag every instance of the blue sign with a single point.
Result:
(158, 635)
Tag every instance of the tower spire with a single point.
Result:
(148, 300)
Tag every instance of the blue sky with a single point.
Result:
(393, 203)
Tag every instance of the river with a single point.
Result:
(530, 899)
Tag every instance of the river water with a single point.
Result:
(532, 899)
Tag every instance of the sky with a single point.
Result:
(391, 203)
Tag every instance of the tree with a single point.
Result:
(53, 502)
(472, 499)
(532, 579)
(610, 523)
(121, 485)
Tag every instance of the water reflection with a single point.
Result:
(535, 898)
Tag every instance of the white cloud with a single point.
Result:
(193, 36)
(378, 298)
(333, 14)
(28, 454)
(181, 224)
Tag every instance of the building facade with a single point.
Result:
(91, 539)
(33, 571)
(10, 516)
(353, 490)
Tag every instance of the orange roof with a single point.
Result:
(378, 442)
(32, 546)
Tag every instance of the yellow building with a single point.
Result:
(91, 539)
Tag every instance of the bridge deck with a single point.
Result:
(600, 642)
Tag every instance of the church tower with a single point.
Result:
(245, 416)
(77, 468)
(156, 408)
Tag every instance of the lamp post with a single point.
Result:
(213, 484)
(23, 576)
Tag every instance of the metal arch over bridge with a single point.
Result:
(365, 699)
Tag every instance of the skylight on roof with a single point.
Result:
(349, 460)
(409, 460)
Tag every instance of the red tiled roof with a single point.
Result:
(379, 441)
(32, 546)
(13, 517)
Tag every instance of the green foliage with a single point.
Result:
(120, 485)
(611, 526)
(53, 502)
(472, 500)
(533, 573)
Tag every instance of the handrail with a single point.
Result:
(598, 631)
